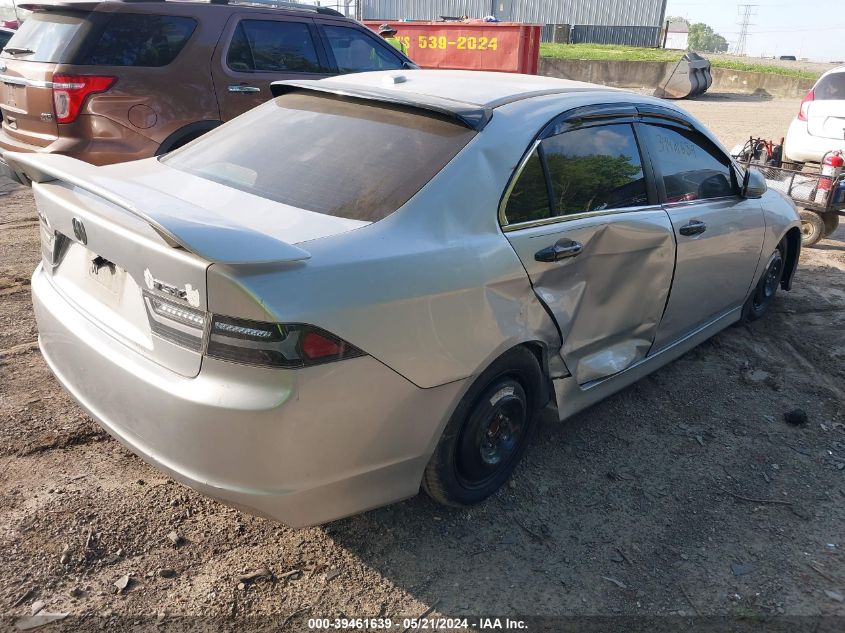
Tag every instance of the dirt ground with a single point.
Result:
(686, 494)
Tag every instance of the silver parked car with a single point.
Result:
(374, 282)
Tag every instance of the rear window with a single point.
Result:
(831, 87)
(48, 36)
(101, 39)
(342, 157)
(272, 46)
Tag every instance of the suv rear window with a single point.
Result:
(102, 39)
(343, 157)
(831, 87)
(272, 46)
(50, 35)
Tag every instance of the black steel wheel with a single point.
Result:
(766, 288)
(488, 433)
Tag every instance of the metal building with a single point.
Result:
(635, 22)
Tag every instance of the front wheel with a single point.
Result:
(812, 227)
(763, 295)
(487, 434)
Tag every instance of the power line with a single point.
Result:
(747, 11)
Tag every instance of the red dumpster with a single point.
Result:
(512, 47)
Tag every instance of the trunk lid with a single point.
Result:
(27, 64)
(826, 118)
(126, 247)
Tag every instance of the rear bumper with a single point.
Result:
(801, 146)
(302, 447)
(91, 138)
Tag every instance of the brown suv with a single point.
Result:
(112, 81)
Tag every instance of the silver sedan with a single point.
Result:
(374, 282)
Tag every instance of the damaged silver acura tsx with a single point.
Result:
(373, 283)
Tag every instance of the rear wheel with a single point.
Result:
(767, 287)
(488, 432)
(831, 223)
(812, 227)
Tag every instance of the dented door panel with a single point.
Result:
(608, 299)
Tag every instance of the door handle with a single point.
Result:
(244, 88)
(695, 227)
(561, 249)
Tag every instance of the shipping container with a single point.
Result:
(500, 46)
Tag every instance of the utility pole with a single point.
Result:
(746, 12)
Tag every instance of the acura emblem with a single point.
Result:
(79, 231)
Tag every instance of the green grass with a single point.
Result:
(610, 52)
(763, 68)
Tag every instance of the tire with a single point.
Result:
(761, 298)
(831, 223)
(488, 433)
(812, 227)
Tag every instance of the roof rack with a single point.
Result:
(280, 4)
(275, 4)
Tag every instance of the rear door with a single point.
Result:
(27, 63)
(258, 49)
(718, 232)
(826, 113)
(583, 217)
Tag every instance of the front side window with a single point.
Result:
(692, 168)
(355, 51)
(131, 39)
(273, 46)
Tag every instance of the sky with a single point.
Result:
(804, 28)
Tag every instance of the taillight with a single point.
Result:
(288, 345)
(71, 91)
(805, 105)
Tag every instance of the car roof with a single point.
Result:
(466, 95)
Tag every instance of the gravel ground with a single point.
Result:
(685, 494)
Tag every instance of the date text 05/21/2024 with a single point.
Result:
(416, 624)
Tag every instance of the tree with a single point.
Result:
(703, 38)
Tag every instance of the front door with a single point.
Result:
(258, 49)
(583, 218)
(718, 232)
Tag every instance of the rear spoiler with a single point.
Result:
(180, 223)
(470, 115)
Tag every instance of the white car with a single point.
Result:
(819, 126)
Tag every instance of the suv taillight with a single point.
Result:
(71, 91)
(805, 105)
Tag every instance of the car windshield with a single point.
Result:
(48, 36)
(344, 157)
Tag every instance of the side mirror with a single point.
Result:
(753, 184)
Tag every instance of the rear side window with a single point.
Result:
(830, 87)
(355, 51)
(272, 46)
(129, 39)
(595, 169)
(348, 158)
(529, 198)
(48, 36)
(692, 168)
